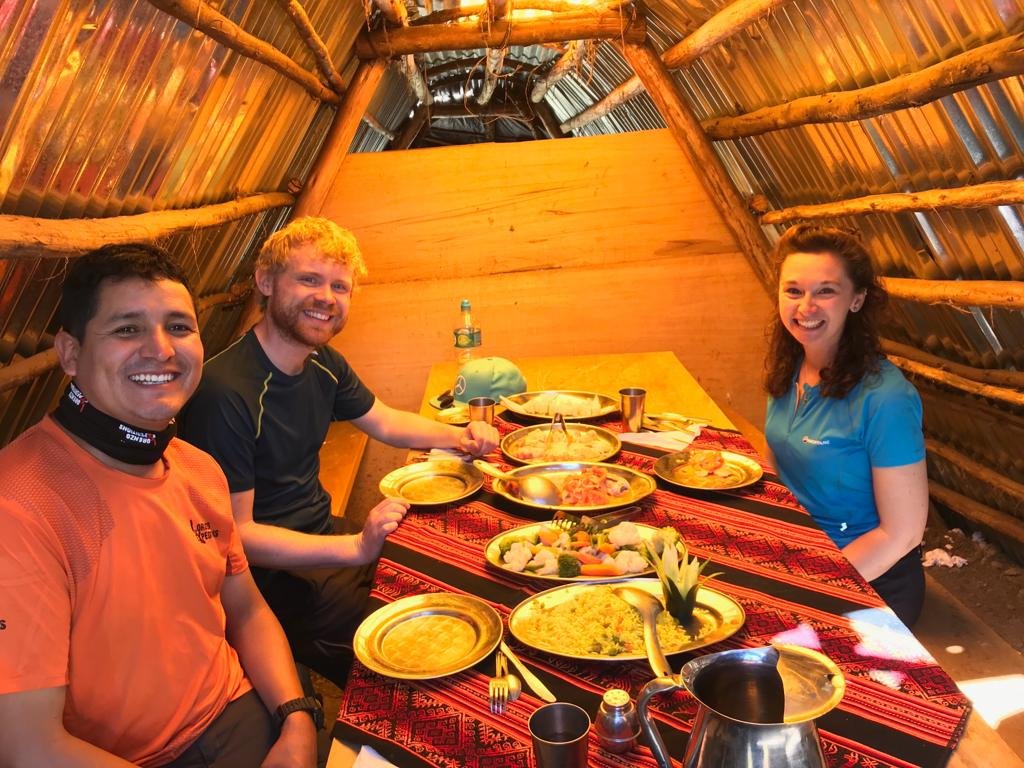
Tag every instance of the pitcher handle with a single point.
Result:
(653, 738)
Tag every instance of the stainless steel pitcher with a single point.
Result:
(757, 708)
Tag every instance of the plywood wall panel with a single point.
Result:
(515, 207)
(603, 244)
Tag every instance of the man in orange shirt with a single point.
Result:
(131, 631)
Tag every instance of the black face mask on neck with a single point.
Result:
(116, 439)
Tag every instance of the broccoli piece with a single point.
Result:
(568, 567)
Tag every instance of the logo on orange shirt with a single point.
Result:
(204, 531)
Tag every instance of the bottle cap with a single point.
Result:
(465, 305)
(616, 697)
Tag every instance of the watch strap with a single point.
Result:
(308, 704)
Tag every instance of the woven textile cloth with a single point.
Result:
(900, 708)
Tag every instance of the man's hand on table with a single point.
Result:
(382, 520)
(296, 746)
(478, 439)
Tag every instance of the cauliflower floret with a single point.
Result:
(624, 534)
(518, 556)
(629, 561)
(544, 563)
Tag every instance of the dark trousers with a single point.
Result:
(240, 737)
(902, 587)
(320, 610)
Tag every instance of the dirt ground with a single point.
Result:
(990, 584)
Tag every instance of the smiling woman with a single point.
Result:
(843, 423)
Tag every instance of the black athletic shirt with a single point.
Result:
(265, 428)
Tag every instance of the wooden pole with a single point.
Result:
(723, 25)
(411, 129)
(1008, 294)
(468, 9)
(28, 237)
(998, 377)
(965, 463)
(549, 120)
(314, 43)
(984, 195)
(339, 138)
(979, 514)
(1003, 394)
(495, 58)
(685, 129)
(198, 15)
(1003, 58)
(567, 62)
(498, 34)
(374, 123)
(26, 369)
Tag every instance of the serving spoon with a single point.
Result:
(532, 488)
(649, 607)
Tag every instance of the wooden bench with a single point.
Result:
(340, 457)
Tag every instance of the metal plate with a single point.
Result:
(426, 636)
(436, 481)
(681, 469)
(717, 616)
(640, 485)
(672, 422)
(537, 405)
(602, 446)
(457, 415)
(492, 553)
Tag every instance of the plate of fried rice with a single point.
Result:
(588, 621)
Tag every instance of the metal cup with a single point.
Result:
(560, 732)
(632, 405)
(481, 409)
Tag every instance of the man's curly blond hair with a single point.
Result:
(332, 243)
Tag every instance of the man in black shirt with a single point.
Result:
(263, 409)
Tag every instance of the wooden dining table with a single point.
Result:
(900, 707)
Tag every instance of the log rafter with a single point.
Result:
(998, 377)
(685, 129)
(1007, 294)
(994, 61)
(201, 16)
(28, 237)
(566, 63)
(976, 469)
(315, 44)
(983, 195)
(978, 513)
(723, 25)
(467, 10)
(624, 25)
(1006, 395)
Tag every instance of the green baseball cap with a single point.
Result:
(490, 377)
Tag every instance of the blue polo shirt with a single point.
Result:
(825, 449)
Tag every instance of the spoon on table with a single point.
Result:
(532, 488)
(649, 607)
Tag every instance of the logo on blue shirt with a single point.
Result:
(811, 441)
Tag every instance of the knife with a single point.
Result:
(528, 677)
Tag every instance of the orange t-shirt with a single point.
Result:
(110, 584)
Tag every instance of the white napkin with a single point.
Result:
(675, 440)
(449, 453)
(369, 758)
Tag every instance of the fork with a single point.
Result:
(569, 522)
(497, 686)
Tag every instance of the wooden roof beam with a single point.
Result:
(567, 62)
(994, 61)
(626, 25)
(686, 130)
(990, 193)
(397, 15)
(979, 514)
(492, 68)
(1006, 294)
(28, 237)
(412, 127)
(998, 376)
(314, 43)
(469, 9)
(198, 15)
(723, 25)
(1006, 395)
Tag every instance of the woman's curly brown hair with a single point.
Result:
(859, 352)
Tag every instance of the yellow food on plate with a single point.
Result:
(595, 622)
(708, 469)
(555, 445)
(570, 406)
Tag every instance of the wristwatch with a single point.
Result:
(308, 704)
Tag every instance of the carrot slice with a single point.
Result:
(547, 535)
(587, 558)
(607, 568)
